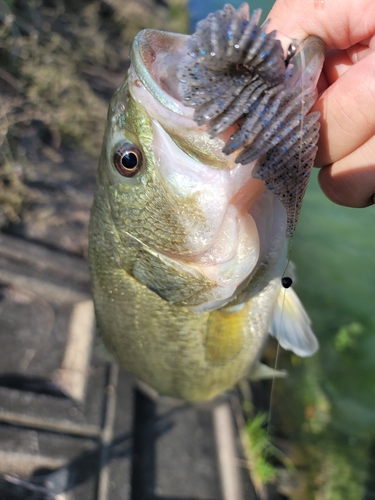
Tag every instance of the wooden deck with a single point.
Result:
(73, 425)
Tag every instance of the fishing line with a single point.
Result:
(275, 368)
(301, 138)
(290, 243)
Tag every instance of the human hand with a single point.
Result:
(347, 91)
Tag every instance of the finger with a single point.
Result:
(351, 181)
(340, 24)
(347, 110)
(362, 49)
(337, 63)
(358, 52)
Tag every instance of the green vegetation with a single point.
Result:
(334, 475)
(347, 335)
(261, 450)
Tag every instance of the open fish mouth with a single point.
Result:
(241, 220)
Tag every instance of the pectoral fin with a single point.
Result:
(291, 325)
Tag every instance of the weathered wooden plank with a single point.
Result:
(50, 274)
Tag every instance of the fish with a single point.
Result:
(207, 152)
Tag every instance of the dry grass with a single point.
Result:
(60, 62)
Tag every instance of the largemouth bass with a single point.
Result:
(205, 159)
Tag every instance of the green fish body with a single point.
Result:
(187, 248)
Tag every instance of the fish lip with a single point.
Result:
(311, 47)
(147, 45)
(307, 63)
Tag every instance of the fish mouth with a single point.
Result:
(155, 56)
(246, 222)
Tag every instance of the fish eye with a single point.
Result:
(127, 160)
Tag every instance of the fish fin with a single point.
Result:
(261, 371)
(292, 326)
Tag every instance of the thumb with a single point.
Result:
(339, 23)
